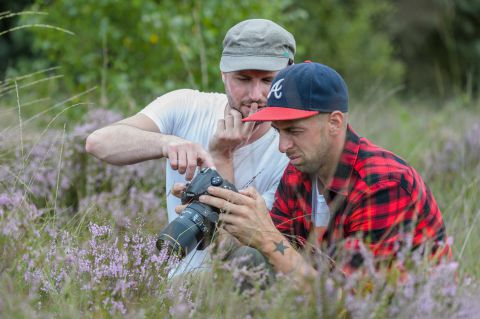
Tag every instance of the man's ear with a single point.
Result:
(336, 122)
(223, 77)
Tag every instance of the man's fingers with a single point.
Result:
(237, 119)
(180, 208)
(182, 162)
(253, 108)
(173, 158)
(191, 164)
(217, 202)
(229, 219)
(247, 127)
(234, 225)
(204, 159)
(228, 121)
(228, 195)
(221, 125)
(178, 189)
(250, 192)
(224, 205)
(234, 112)
(185, 156)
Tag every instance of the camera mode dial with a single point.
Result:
(216, 180)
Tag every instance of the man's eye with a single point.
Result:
(294, 132)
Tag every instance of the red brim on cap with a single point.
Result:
(274, 113)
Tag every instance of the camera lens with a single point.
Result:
(185, 232)
(196, 224)
(178, 238)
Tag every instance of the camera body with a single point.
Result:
(195, 225)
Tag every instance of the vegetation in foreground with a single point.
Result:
(77, 235)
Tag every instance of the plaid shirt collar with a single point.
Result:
(340, 181)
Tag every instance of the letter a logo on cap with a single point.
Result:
(276, 89)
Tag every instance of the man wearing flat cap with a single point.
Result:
(198, 129)
(338, 187)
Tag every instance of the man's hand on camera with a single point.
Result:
(231, 133)
(177, 190)
(185, 156)
(245, 214)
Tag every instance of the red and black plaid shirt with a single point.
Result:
(375, 197)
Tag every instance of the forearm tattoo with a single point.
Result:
(280, 247)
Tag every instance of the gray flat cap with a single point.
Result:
(257, 44)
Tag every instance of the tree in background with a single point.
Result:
(349, 36)
(133, 51)
(12, 45)
(439, 41)
(137, 50)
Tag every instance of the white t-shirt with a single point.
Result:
(320, 210)
(193, 115)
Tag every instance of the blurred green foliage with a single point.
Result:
(136, 50)
(133, 51)
(439, 42)
(348, 36)
(12, 44)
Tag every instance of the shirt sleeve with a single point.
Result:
(167, 111)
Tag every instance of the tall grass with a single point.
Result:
(77, 235)
(443, 143)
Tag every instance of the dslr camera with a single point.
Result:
(196, 224)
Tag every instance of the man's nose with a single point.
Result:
(284, 143)
(258, 91)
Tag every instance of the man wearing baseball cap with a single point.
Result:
(193, 129)
(338, 186)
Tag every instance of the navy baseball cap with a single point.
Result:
(303, 90)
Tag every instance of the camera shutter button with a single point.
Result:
(216, 181)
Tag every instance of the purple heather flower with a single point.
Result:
(117, 306)
(99, 231)
(4, 199)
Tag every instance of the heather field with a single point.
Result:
(77, 236)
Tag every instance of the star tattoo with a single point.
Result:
(280, 247)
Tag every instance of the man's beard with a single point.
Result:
(236, 108)
(318, 162)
